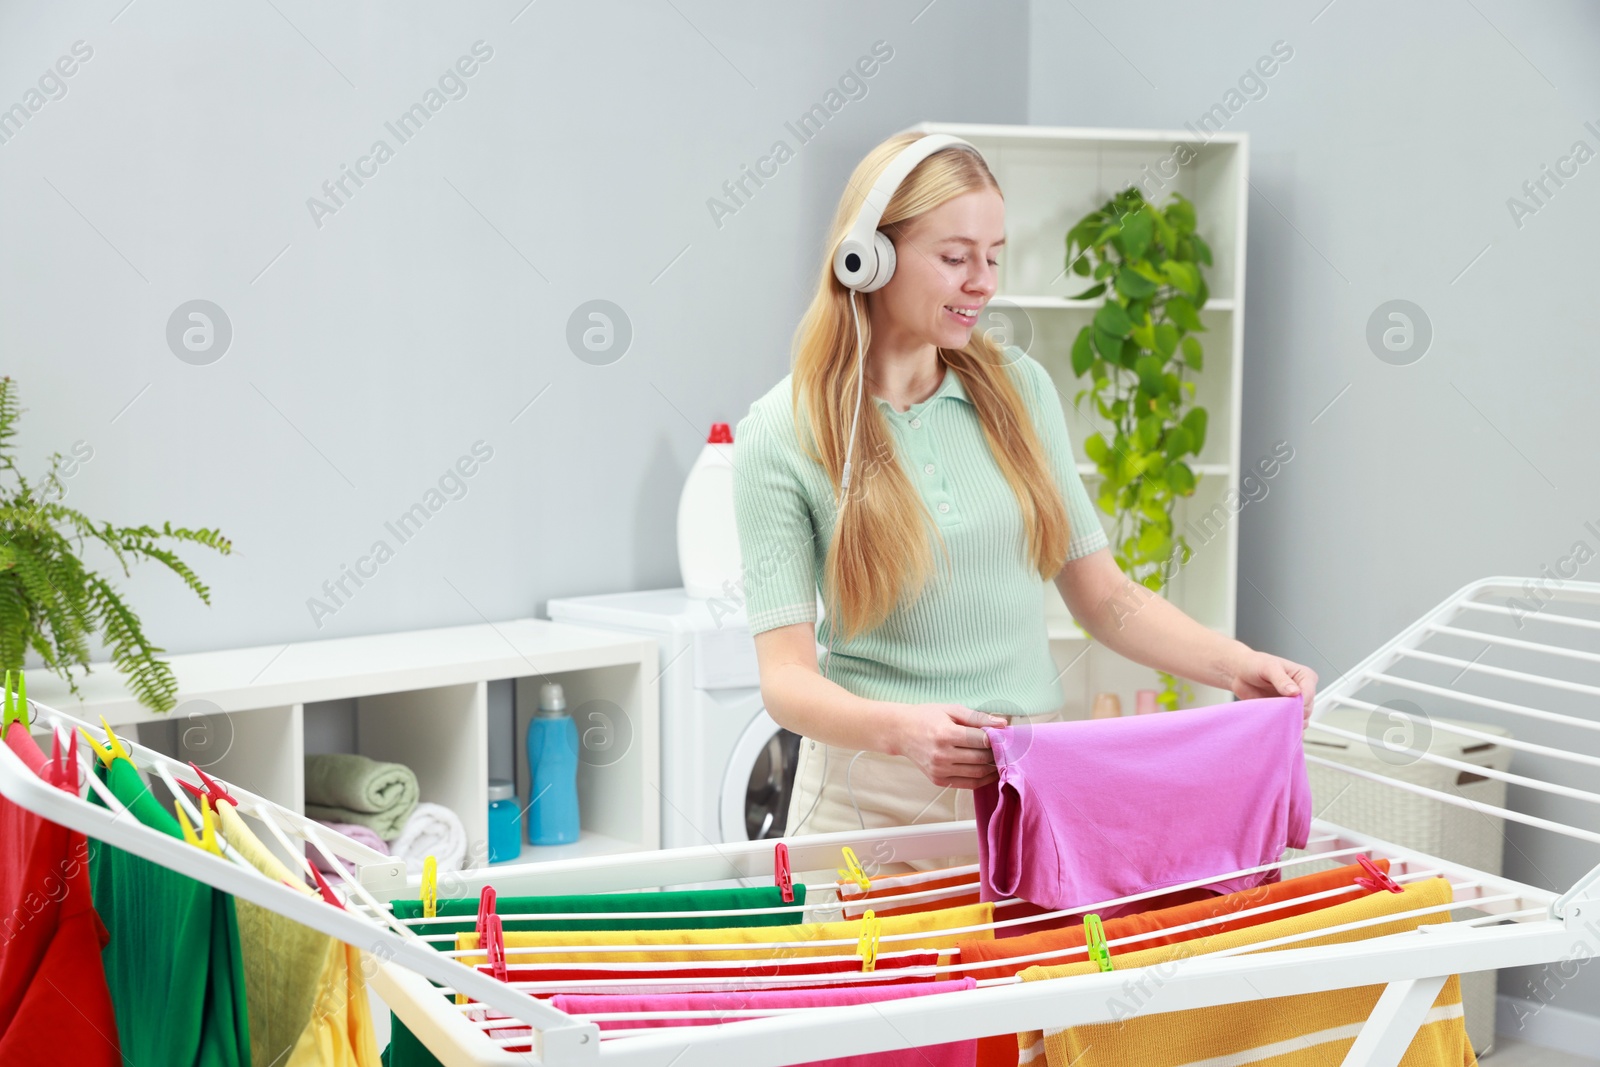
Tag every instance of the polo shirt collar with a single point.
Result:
(951, 387)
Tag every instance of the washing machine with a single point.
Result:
(727, 770)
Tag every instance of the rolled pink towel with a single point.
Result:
(364, 835)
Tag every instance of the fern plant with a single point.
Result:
(51, 603)
(1136, 352)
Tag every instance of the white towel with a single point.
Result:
(432, 829)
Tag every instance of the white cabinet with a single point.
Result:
(1051, 176)
(421, 700)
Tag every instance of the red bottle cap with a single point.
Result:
(720, 434)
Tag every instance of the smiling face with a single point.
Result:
(945, 272)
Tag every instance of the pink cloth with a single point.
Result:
(362, 834)
(1099, 808)
(950, 1054)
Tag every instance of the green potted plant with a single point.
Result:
(1135, 354)
(51, 603)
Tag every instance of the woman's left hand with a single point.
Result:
(1260, 674)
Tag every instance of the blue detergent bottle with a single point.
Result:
(552, 770)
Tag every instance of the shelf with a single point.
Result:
(589, 843)
(1067, 303)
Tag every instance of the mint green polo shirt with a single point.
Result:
(976, 636)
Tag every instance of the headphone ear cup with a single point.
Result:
(886, 262)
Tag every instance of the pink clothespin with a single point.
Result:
(1380, 878)
(495, 947)
(485, 909)
(213, 788)
(322, 886)
(781, 874)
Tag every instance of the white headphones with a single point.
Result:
(864, 262)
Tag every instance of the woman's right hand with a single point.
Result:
(947, 744)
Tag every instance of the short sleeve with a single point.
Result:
(1087, 533)
(777, 540)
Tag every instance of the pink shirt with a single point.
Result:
(1088, 810)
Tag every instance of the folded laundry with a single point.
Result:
(1089, 810)
(348, 787)
(432, 830)
(355, 832)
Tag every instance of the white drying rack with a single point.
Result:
(1517, 924)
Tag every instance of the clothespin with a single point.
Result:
(16, 704)
(62, 770)
(430, 887)
(1380, 878)
(855, 872)
(112, 749)
(867, 944)
(485, 909)
(495, 948)
(781, 874)
(323, 887)
(207, 838)
(1094, 935)
(212, 788)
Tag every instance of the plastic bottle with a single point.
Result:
(552, 770)
(505, 821)
(1145, 702)
(708, 537)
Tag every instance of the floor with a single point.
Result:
(1510, 1053)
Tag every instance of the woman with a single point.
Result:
(963, 447)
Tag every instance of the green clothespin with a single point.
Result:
(1095, 937)
(16, 703)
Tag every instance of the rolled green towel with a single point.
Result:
(345, 787)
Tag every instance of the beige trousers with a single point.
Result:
(845, 789)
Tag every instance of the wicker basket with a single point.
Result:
(1404, 818)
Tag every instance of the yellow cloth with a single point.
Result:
(340, 1033)
(1306, 1030)
(304, 991)
(927, 923)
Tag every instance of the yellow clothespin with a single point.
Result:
(1094, 935)
(207, 838)
(16, 704)
(855, 872)
(867, 945)
(112, 749)
(430, 887)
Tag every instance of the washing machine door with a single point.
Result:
(759, 781)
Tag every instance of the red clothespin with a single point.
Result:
(485, 909)
(213, 789)
(781, 874)
(62, 770)
(322, 885)
(495, 947)
(1380, 878)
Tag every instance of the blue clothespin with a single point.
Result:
(1094, 935)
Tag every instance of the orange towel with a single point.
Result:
(1306, 1030)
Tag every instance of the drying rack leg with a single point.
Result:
(1394, 1022)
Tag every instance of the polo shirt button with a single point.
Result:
(916, 424)
(944, 507)
(928, 469)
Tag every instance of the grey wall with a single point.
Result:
(1383, 154)
(373, 346)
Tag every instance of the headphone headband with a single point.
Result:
(864, 260)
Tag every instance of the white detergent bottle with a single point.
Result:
(708, 537)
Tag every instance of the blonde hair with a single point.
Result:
(876, 560)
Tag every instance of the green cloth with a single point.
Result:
(347, 787)
(283, 962)
(976, 635)
(173, 963)
(675, 900)
(406, 1051)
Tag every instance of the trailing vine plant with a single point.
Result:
(1135, 353)
(51, 603)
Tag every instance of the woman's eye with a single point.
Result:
(954, 262)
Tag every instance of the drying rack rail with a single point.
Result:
(1511, 923)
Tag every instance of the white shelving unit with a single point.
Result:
(1051, 177)
(421, 699)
